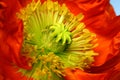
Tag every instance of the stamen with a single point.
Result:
(54, 39)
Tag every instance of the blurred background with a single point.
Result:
(116, 5)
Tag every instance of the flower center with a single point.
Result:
(54, 39)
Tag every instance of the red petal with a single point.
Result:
(11, 8)
(104, 49)
(11, 33)
(8, 71)
(113, 75)
(114, 26)
(111, 60)
(109, 44)
(81, 75)
(88, 76)
(69, 75)
(1, 77)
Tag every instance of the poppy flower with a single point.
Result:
(59, 40)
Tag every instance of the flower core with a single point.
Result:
(54, 39)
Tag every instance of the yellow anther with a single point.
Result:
(49, 75)
(36, 5)
(42, 50)
(80, 17)
(30, 64)
(43, 72)
(49, 5)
